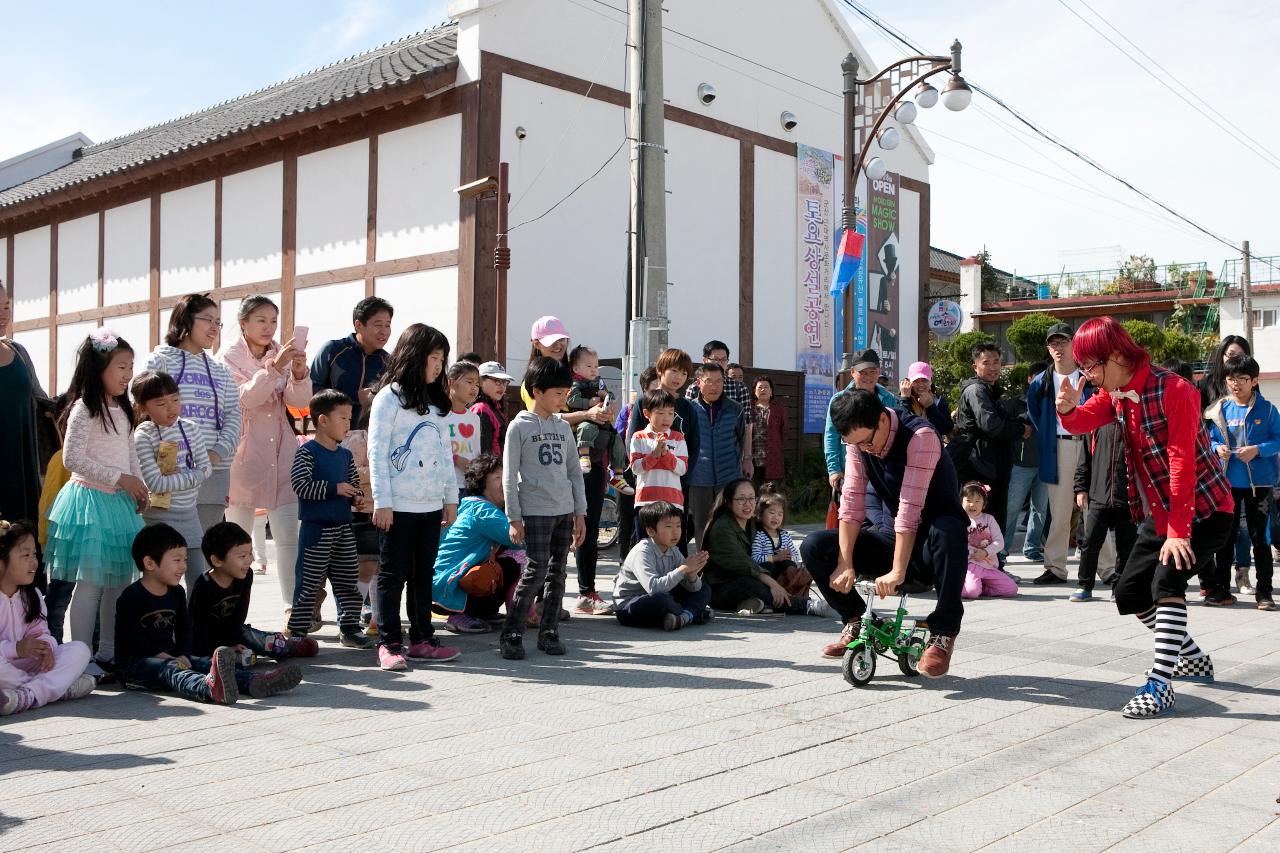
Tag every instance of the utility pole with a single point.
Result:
(1246, 297)
(648, 333)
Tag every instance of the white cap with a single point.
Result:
(494, 370)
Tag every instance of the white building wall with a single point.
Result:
(1266, 341)
(136, 329)
(774, 291)
(252, 217)
(333, 200)
(572, 263)
(424, 296)
(702, 241)
(31, 274)
(36, 342)
(70, 336)
(186, 240)
(326, 311)
(418, 169)
(78, 264)
(127, 253)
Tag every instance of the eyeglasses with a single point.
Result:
(723, 359)
(1058, 343)
(745, 499)
(871, 439)
(1090, 368)
(216, 322)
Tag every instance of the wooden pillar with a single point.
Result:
(746, 251)
(371, 235)
(289, 241)
(155, 270)
(53, 305)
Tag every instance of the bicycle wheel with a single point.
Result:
(607, 533)
(859, 665)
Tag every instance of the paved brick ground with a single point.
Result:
(735, 737)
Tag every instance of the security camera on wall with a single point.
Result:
(788, 120)
(706, 93)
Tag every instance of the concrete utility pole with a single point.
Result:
(648, 188)
(1246, 297)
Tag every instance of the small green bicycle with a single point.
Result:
(884, 634)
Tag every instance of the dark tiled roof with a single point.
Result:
(944, 261)
(389, 65)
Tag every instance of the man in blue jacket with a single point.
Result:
(1244, 430)
(1060, 455)
(722, 431)
(353, 365)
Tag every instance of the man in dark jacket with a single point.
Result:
(985, 431)
(1024, 480)
(353, 365)
(1102, 490)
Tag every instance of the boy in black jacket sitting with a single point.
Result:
(153, 632)
(1102, 491)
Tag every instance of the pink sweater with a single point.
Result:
(15, 627)
(260, 472)
(94, 454)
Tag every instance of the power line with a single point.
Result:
(1255, 148)
(583, 183)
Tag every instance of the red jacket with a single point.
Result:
(775, 461)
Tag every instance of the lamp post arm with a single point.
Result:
(936, 60)
(884, 113)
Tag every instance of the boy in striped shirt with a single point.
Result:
(659, 455)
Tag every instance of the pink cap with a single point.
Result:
(920, 370)
(547, 330)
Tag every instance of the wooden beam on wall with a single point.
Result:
(102, 257)
(746, 251)
(289, 242)
(8, 266)
(485, 280)
(371, 235)
(468, 170)
(53, 305)
(155, 270)
(217, 232)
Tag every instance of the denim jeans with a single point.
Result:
(1025, 483)
(158, 674)
(648, 611)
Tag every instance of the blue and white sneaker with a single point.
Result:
(1081, 594)
(1152, 699)
(1198, 670)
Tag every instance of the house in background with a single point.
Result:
(340, 183)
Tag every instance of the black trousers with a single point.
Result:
(1255, 505)
(648, 611)
(1101, 520)
(1146, 580)
(941, 555)
(596, 482)
(406, 566)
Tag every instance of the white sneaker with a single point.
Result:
(1242, 581)
(81, 687)
(14, 700)
(818, 606)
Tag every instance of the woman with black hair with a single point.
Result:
(1213, 387)
(20, 488)
(738, 582)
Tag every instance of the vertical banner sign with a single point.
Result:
(815, 326)
(860, 283)
(883, 272)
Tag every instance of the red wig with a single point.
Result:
(1101, 338)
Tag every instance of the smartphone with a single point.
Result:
(300, 336)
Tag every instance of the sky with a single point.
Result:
(118, 67)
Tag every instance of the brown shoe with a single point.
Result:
(847, 636)
(936, 659)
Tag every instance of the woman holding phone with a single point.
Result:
(270, 377)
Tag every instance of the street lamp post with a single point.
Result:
(869, 103)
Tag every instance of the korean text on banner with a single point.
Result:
(815, 332)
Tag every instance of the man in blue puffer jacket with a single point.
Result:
(722, 428)
(1244, 430)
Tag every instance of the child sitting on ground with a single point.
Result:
(34, 669)
(656, 586)
(595, 441)
(774, 549)
(326, 481)
(153, 633)
(220, 601)
(985, 543)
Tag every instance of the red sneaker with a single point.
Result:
(301, 647)
(391, 659)
(936, 659)
(431, 650)
(222, 676)
(847, 636)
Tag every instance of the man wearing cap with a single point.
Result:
(919, 399)
(353, 365)
(865, 370)
(491, 407)
(1060, 454)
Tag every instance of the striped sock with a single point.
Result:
(1171, 633)
(1190, 650)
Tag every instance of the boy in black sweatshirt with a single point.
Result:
(1102, 490)
(153, 632)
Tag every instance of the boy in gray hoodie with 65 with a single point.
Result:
(545, 502)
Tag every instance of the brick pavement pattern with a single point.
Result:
(738, 736)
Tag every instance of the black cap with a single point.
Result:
(1059, 330)
(866, 358)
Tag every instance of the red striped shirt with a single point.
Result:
(658, 477)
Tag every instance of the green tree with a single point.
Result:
(1178, 344)
(1026, 335)
(1149, 336)
(952, 362)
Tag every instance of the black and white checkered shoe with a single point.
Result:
(1152, 699)
(1199, 670)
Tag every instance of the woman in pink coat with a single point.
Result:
(270, 377)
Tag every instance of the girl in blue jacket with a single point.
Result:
(1244, 430)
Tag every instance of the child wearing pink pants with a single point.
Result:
(985, 543)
